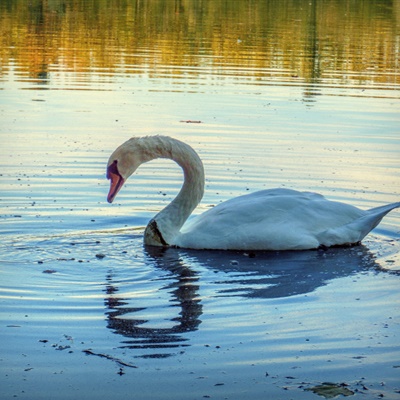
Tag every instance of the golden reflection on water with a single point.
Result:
(339, 42)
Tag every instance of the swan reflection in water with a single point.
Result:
(262, 275)
(182, 285)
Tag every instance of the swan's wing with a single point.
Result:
(270, 219)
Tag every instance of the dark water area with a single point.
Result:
(295, 94)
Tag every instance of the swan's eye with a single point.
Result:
(112, 169)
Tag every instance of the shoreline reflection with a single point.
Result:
(293, 41)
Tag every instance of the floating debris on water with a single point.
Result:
(331, 390)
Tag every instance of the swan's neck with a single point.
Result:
(165, 226)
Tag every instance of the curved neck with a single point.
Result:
(163, 228)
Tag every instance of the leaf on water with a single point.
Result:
(331, 390)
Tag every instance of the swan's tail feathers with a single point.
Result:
(383, 210)
(356, 230)
(374, 215)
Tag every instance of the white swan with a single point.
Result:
(274, 219)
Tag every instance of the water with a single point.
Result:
(291, 94)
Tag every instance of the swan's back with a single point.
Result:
(275, 219)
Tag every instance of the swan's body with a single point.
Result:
(274, 219)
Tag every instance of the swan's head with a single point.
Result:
(127, 158)
(121, 165)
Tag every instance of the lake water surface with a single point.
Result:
(296, 94)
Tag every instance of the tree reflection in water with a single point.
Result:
(260, 275)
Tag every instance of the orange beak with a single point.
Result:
(116, 181)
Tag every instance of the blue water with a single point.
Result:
(87, 312)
